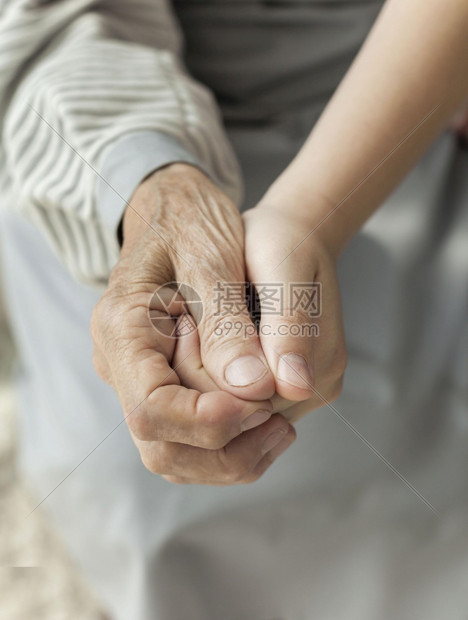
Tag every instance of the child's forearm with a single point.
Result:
(414, 62)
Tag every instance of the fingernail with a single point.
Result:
(257, 418)
(273, 440)
(293, 369)
(281, 447)
(244, 371)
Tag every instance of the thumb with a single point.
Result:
(287, 328)
(231, 351)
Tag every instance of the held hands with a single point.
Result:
(199, 407)
(308, 364)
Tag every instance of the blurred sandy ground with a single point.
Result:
(37, 579)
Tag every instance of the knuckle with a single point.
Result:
(154, 400)
(140, 424)
(155, 458)
(233, 471)
(214, 436)
(214, 427)
(150, 461)
(106, 320)
(251, 477)
(100, 367)
(103, 312)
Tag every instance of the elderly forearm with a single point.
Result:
(413, 66)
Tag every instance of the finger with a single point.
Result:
(187, 357)
(230, 347)
(210, 420)
(156, 406)
(192, 374)
(100, 364)
(287, 325)
(243, 460)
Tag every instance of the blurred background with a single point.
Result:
(37, 579)
(404, 282)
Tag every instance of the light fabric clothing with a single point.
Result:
(87, 86)
(329, 532)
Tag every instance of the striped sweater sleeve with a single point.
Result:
(93, 97)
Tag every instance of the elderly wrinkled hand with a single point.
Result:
(182, 228)
(307, 364)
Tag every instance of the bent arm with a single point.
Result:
(94, 97)
(413, 67)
